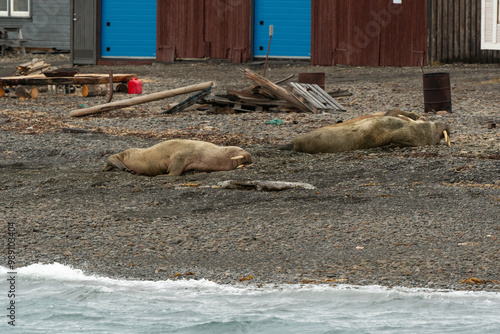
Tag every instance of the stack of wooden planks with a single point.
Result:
(34, 66)
(269, 96)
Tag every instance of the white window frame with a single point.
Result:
(492, 25)
(20, 13)
(4, 13)
(10, 10)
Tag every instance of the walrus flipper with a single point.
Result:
(177, 167)
(114, 162)
(286, 147)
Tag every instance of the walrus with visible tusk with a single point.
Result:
(173, 157)
(394, 127)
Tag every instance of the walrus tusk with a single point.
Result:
(241, 166)
(237, 157)
(446, 137)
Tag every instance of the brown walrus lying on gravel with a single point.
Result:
(173, 157)
(369, 131)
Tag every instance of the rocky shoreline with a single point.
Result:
(416, 217)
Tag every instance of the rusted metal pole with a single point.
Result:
(268, 47)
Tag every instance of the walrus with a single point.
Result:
(369, 131)
(173, 157)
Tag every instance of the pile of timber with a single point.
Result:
(269, 96)
(35, 66)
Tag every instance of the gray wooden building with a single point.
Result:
(45, 23)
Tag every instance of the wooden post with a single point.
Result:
(139, 100)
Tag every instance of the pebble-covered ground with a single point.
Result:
(415, 217)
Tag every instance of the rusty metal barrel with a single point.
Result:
(437, 92)
(313, 78)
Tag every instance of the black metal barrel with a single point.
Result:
(437, 92)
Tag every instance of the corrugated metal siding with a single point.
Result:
(128, 28)
(49, 26)
(368, 32)
(291, 20)
(203, 28)
(454, 32)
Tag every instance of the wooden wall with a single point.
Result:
(454, 32)
(203, 28)
(48, 27)
(368, 32)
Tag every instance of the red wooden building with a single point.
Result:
(326, 32)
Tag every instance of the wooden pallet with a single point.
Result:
(315, 97)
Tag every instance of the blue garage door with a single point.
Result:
(291, 20)
(128, 29)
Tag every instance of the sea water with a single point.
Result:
(54, 298)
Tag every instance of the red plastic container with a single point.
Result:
(135, 86)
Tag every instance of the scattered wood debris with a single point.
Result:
(268, 96)
(35, 66)
(139, 100)
(188, 102)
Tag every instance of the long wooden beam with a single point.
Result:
(79, 79)
(139, 100)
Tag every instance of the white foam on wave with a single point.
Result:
(64, 273)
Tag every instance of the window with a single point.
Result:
(4, 7)
(15, 8)
(490, 24)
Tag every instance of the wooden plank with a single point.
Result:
(446, 33)
(456, 32)
(188, 102)
(439, 26)
(276, 90)
(462, 27)
(326, 97)
(316, 96)
(468, 5)
(139, 100)
(306, 97)
(79, 79)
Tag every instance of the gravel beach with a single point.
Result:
(423, 217)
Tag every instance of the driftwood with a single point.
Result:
(139, 100)
(94, 90)
(265, 185)
(276, 90)
(26, 92)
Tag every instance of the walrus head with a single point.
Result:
(243, 159)
(442, 132)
